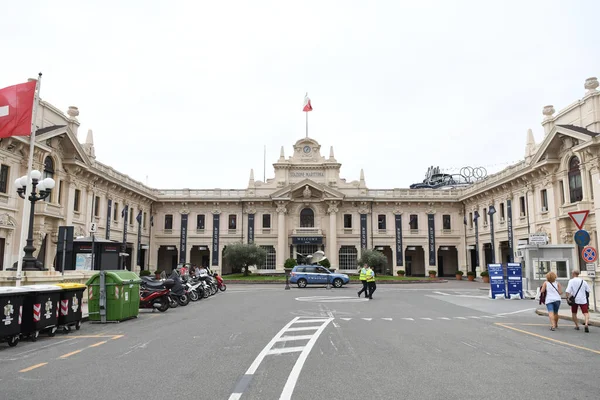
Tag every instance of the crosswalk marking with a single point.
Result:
(445, 318)
(408, 319)
(386, 319)
(367, 319)
(426, 319)
(460, 317)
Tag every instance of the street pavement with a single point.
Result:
(422, 341)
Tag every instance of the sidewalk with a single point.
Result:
(565, 313)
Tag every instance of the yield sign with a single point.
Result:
(579, 217)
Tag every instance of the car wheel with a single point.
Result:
(302, 283)
(337, 283)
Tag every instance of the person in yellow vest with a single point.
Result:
(363, 278)
(371, 282)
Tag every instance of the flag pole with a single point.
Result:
(26, 212)
(306, 112)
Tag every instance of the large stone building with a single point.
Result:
(307, 206)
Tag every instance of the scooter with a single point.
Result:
(155, 294)
(220, 284)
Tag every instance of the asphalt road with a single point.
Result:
(421, 341)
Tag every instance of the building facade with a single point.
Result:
(308, 206)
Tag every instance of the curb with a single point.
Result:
(564, 317)
(350, 283)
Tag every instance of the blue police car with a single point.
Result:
(303, 275)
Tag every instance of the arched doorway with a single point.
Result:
(167, 258)
(307, 218)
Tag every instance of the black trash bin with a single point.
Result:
(71, 299)
(11, 312)
(40, 310)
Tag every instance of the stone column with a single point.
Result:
(462, 245)
(332, 234)
(70, 202)
(552, 209)
(281, 234)
(585, 180)
(89, 208)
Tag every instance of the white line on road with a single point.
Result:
(286, 350)
(386, 319)
(467, 344)
(460, 317)
(408, 319)
(299, 337)
(427, 319)
(304, 328)
(446, 318)
(442, 293)
(312, 320)
(473, 317)
(367, 319)
(515, 312)
(264, 351)
(346, 319)
(288, 389)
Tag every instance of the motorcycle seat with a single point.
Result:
(150, 283)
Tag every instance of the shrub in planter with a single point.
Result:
(432, 273)
(145, 272)
(290, 263)
(485, 276)
(459, 275)
(401, 272)
(157, 273)
(471, 276)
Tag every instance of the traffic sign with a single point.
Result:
(590, 267)
(93, 227)
(589, 254)
(579, 217)
(591, 274)
(582, 238)
(538, 238)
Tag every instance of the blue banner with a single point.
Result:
(497, 280)
(250, 228)
(183, 239)
(215, 240)
(363, 231)
(431, 237)
(399, 254)
(514, 273)
(108, 217)
(510, 229)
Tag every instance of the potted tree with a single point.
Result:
(157, 274)
(401, 272)
(471, 276)
(459, 275)
(432, 273)
(485, 276)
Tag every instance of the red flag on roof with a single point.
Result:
(307, 105)
(16, 109)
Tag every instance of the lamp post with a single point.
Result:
(491, 212)
(44, 189)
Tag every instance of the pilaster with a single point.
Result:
(332, 234)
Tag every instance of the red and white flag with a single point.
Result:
(16, 109)
(307, 105)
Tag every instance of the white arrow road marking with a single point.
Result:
(3, 111)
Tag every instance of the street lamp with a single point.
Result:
(44, 188)
(491, 212)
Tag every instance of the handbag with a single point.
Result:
(542, 297)
(571, 299)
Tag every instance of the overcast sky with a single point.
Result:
(188, 92)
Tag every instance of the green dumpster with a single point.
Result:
(122, 296)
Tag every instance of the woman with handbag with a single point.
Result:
(551, 291)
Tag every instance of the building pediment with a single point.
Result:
(72, 149)
(307, 189)
(561, 139)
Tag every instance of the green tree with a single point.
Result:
(290, 263)
(325, 263)
(375, 259)
(241, 256)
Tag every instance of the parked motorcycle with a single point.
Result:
(178, 291)
(155, 294)
(220, 283)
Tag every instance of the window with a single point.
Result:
(271, 256)
(76, 202)
(232, 221)
(522, 208)
(168, 221)
(348, 257)
(131, 216)
(144, 221)
(446, 222)
(116, 212)
(470, 220)
(266, 221)
(347, 221)
(60, 192)
(575, 190)
(502, 215)
(414, 222)
(485, 217)
(307, 218)
(4, 178)
(381, 222)
(544, 198)
(96, 206)
(591, 186)
(200, 222)
(542, 267)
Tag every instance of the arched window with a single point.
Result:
(575, 190)
(307, 218)
(49, 168)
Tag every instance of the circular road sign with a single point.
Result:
(582, 238)
(589, 254)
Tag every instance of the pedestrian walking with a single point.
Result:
(553, 293)
(371, 282)
(580, 299)
(363, 278)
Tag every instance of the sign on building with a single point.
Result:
(538, 238)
